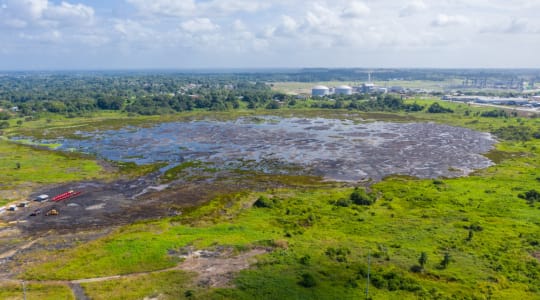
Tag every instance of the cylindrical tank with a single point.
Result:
(320, 91)
(343, 90)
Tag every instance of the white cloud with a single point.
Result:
(444, 20)
(517, 26)
(413, 8)
(199, 25)
(70, 13)
(356, 10)
(191, 8)
(291, 32)
(165, 7)
(32, 9)
(42, 13)
(512, 27)
(53, 36)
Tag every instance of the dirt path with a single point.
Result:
(214, 269)
(78, 291)
(10, 253)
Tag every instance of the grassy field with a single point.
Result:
(22, 165)
(165, 285)
(321, 241)
(35, 291)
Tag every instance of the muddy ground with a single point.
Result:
(104, 204)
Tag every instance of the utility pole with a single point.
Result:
(24, 289)
(368, 270)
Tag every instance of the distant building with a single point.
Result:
(368, 87)
(397, 89)
(343, 90)
(487, 100)
(320, 91)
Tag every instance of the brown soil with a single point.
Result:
(217, 269)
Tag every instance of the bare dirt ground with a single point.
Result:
(105, 204)
(217, 269)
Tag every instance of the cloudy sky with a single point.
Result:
(141, 34)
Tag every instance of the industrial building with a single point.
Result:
(343, 90)
(320, 91)
(491, 100)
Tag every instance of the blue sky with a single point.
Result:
(135, 34)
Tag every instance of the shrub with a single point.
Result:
(496, 113)
(436, 108)
(416, 269)
(360, 197)
(344, 202)
(474, 227)
(514, 133)
(531, 196)
(264, 202)
(307, 280)
(338, 254)
(305, 260)
(446, 260)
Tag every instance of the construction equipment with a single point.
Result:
(35, 213)
(66, 195)
(52, 212)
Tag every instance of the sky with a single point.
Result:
(202, 34)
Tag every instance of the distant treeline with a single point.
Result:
(151, 93)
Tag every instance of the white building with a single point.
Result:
(343, 90)
(320, 91)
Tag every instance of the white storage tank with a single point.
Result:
(320, 91)
(343, 90)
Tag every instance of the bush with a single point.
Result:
(475, 227)
(496, 113)
(4, 124)
(360, 197)
(416, 269)
(514, 133)
(531, 196)
(307, 280)
(436, 108)
(305, 260)
(338, 254)
(264, 202)
(344, 202)
(4, 115)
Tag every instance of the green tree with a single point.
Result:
(470, 236)
(422, 260)
(446, 260)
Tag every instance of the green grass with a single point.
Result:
(164, 285)
(35, 291)
(42, 166)
(410, 217)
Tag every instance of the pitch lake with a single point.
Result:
(335, 149)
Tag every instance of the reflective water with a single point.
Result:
(336, 149)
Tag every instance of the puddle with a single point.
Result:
(334, 149)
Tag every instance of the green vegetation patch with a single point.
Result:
(35, 291)
(162, 285)
(24, 164)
